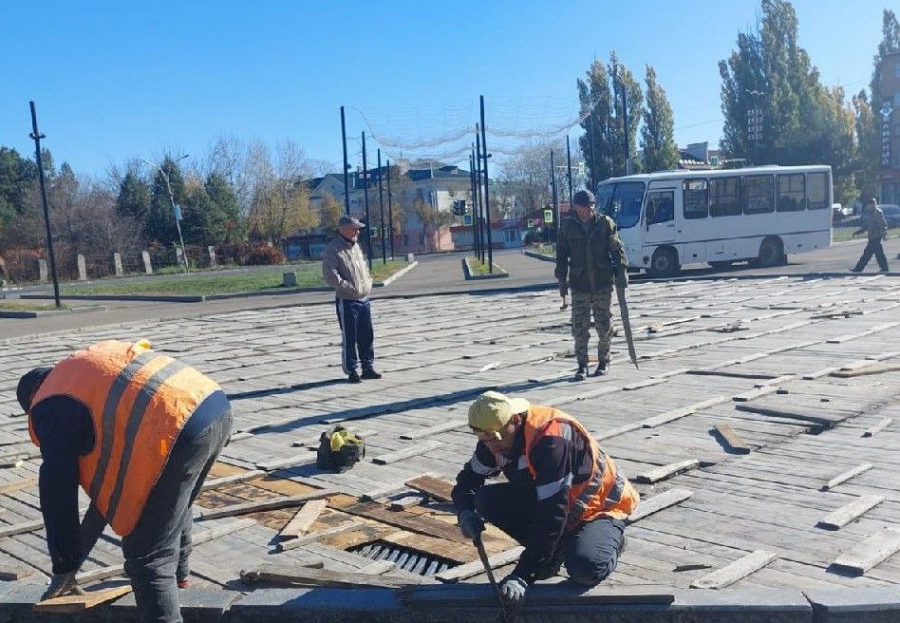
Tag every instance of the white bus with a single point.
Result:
(672, 218)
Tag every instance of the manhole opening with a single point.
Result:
(411, 560)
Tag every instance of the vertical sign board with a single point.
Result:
(177, 209)
(548, 216)
(887, 109)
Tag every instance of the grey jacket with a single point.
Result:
(344, 269)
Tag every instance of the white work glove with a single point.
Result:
(513, 590)
(470, 524)
(62, 584)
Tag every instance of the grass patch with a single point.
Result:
(28, 305)
(477, 267)
(842, 234)
(251, 280)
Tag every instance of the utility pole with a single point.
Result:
(628, 164)
(366, 196)
(487, 198)
(555, 195)
(474, 212)
(480, 187)
(390, 210)
(37, 136)
(381, 210)
(346, 165)
(593, 183)
(569, 166)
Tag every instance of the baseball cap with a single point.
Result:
(349, 220)
(28, 385)
(583, 198)
(491, 411)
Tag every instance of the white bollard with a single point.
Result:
(82, 268)
(148, 267)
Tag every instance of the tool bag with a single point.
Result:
(339, 450)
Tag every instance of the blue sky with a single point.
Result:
(115, 80)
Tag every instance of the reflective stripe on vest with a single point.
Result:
(605, 492)
(138, 401)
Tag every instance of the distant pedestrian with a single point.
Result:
(590, 258)
(874, 224)
(344, 269)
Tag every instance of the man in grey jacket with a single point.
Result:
(344, 269)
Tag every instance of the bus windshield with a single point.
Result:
(622, 202)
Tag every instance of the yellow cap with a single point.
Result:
(491, 411)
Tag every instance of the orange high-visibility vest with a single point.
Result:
(605, 493)
(139, 401)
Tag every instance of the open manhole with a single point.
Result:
(414, 561)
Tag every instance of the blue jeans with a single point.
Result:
(157, 550)
(355, 319)
(590, 551)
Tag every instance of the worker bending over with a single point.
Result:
(565, 500)
(139, 432)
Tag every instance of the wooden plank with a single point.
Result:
(435, 488)
(621, 430)
(370, 496)
(680, 412)
(732, 439)
(22, 528)
(233, 479)
(753, 394)
(434, 430)
(267, 505)
(665, 471)
(845, 476)
(291, 461)
(414, 450)
(72, 604)
(872, 551)
(18, 485)
(774, 407)
(304, 519)
(414, 523)
(844, 515)
(738, 570)
(10, 573)
(407, 501)
(378, 567)
(658, 502)
(318, 536)
(472, 569)
(300, 576)
(877, 428)
(868, 370)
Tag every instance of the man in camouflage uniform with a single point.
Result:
(874, 223)
(589, 260)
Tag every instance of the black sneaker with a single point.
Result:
(582, 372)
(856, 270)
(370, 374)
(602, 368)
(353, 377)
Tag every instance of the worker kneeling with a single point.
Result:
(565, 500)
(139, 432)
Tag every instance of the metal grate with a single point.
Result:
(414, 561)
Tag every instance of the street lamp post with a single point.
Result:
(175, 212)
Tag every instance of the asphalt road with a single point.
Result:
(436, 274)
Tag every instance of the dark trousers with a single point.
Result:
(355, 319)
(873, 248)
(157, 550)
(590, 551)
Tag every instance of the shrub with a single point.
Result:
(263, 256)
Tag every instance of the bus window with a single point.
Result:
(791, 192)
(696, 199)
(725, 196)
(604, 194)
(817, 191)
(759, 191)
(660, 207)
(625, 205)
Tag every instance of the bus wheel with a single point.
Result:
(664, 263)
(771, 252)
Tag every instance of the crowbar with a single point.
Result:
(490, 573)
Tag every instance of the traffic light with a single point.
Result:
(459, 207)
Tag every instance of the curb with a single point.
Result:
(39, 313)
(477, 603)
(395, 276)
(467, 272)
(538, 256)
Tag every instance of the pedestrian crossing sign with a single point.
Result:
(548, 216)
(531, 223)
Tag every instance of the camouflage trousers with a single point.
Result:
(583, 305)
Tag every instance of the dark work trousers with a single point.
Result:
(873, 248)
(355, 318)
(157, 550)
(590, 551)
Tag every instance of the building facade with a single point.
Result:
(886, 111)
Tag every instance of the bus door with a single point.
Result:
(659, 216)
